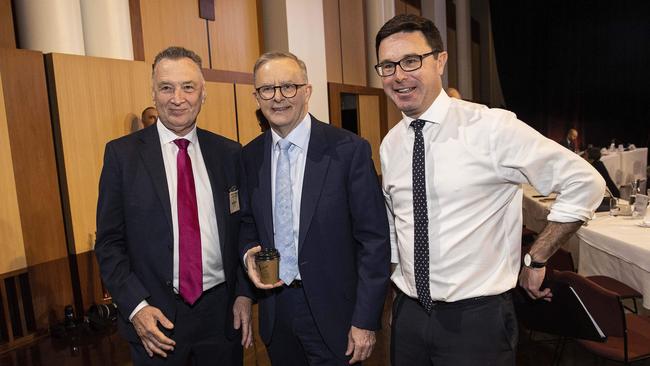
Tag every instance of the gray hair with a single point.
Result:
(176, 53)
(275, 55)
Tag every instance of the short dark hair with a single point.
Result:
(176, 53)
(593, 153)
(410, 23)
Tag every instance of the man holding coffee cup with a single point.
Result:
(311, 193)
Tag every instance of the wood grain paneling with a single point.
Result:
(171, 23)
(334, 91)
(30, 136)
(234, 35)
(7, 36)
(353, 42)
(393, 113)
(11, 235)
(218, 111)
(136, 30)
(247, 123)
(96, 99)
(369, 126)
(90, 281)
(51, 291)
(332, 41)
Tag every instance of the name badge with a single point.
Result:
(233, 198)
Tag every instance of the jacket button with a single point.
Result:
(168, 283)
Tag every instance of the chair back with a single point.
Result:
(603, 305)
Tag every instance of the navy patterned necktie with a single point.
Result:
(420, 219)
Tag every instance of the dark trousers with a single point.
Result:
(199, 332)
(296, 340)
(480, 331)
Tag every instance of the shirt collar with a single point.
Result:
(299, 136)
(167, 136)
(436, 112)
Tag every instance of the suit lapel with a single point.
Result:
(315, 171)
(217, 183)
(264, 193)
(152, 158)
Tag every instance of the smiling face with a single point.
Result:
(178, 92)
(283, 114)
(414, 91)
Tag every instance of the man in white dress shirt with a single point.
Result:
(452, 174)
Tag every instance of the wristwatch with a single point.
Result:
(529, 262)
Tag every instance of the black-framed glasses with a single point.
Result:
(408, 63)
(287, 90)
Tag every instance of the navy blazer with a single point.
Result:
(134, 244)
(344, 248)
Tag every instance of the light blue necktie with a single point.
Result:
(283, 216)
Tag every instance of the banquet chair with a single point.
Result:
(628, 335)
(562, 260)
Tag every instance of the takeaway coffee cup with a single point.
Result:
(268, 263)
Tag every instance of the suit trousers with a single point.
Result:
(477, 331)
(199, 332)
(296, 340)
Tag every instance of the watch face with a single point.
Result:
(527, 260)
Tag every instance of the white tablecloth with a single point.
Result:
(619, 248)
(626, 166)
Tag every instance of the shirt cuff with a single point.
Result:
(141, 305)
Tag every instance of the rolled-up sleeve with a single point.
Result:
(523, 155)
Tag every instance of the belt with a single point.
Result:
(295, 284)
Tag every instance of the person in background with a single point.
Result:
(453, 93)
(313, 194)
(571, 140)
(149, 117)
(593, 157)
(452, 174)
(167, 229)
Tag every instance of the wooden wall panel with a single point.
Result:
(369, 124)
(247, 123)
(234, 35)
(30, 135)
(96, 100)
(90, 282)
(353, 42)
(171, 23)
(11, 235)
(7, 36)
(332, 41)
(218, 112)
(393, 113)
(51, 291)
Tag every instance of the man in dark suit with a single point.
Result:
(167, 229)
(593, 157)
(312, 192)
(571, 140)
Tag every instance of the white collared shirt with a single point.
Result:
(212, 263)
(299, 138)
(476, 159)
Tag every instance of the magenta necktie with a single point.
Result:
(190, 267)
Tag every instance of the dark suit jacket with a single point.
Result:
(134, 224)
(344, 248)
(600, 167)
(568, 144)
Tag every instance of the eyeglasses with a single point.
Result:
(408, 63)
(267, 92)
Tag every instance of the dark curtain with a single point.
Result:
(576, 63)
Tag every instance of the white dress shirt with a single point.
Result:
(213, 273)
(476, 159)
(299, 138)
